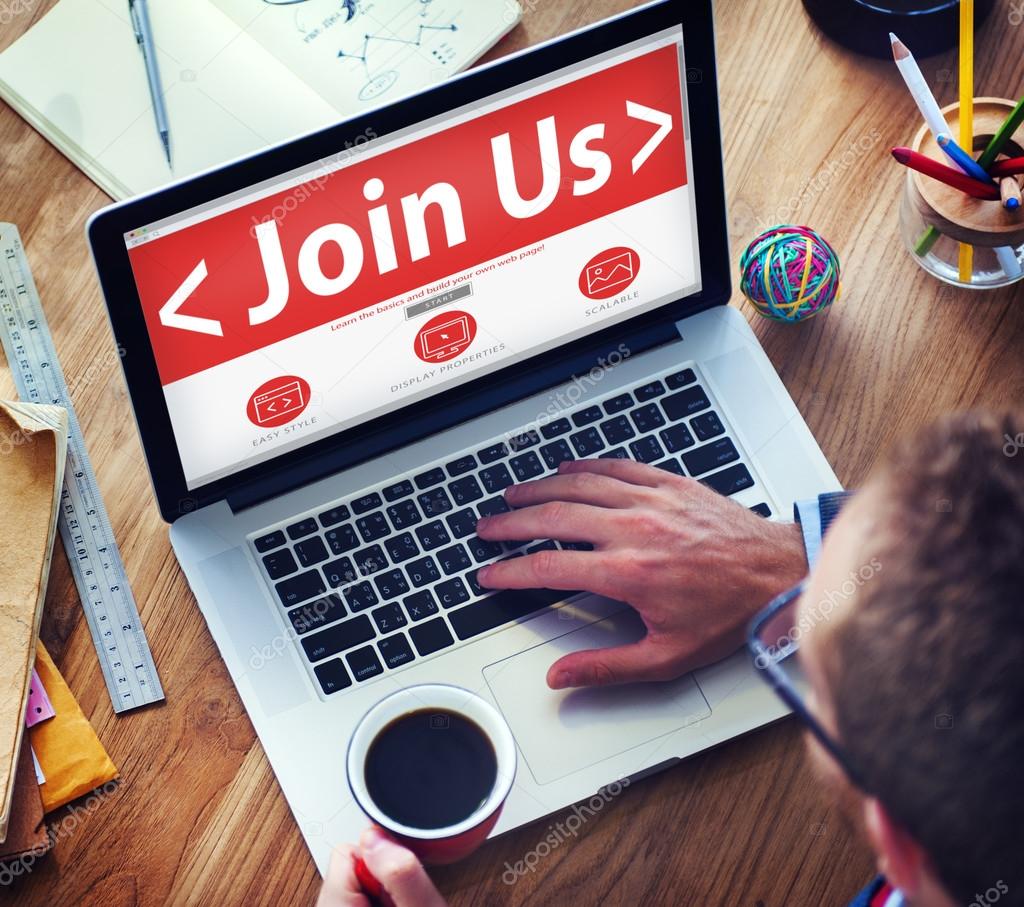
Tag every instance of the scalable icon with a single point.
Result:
(609, 272)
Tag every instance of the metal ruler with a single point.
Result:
(93, 554)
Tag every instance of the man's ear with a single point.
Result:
(900, 858)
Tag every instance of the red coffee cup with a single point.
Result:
(432, 845)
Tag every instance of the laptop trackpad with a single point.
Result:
(560, 732)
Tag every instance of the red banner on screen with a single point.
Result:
(406, 218)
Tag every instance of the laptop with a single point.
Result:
(341, 351)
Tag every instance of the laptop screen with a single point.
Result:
(408, 264)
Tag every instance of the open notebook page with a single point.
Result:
(78, 77)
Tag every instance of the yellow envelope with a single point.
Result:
(70, 754)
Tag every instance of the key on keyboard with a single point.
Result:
(300, 588)
(556, 428)
(710, 456)
(334, 516)
(431, 637)
(685, 403)
(462, 523)
(366, 503)
(730, 481)
(311, 551)
(332, 676)
(272, 540)
(279, 564)
(364, 663)
(316, 614)
(395, 651)
(501, 608)
(338, 638)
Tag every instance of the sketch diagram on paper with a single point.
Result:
(355, 53)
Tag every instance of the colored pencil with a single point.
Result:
(967, 79)
(919, 89)
(962, 159)
(1010, 167)
(1009, 262)
(1009, 190)
(931, 167)
(930, 110)
(1002, 136)
(966, 159)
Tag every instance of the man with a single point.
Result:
(909, 632)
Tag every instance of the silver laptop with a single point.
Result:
(342, 350)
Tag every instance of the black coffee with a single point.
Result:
(430, 769)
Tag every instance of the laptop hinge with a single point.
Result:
(430, 421)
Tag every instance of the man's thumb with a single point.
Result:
(638, 661)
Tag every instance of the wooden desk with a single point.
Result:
(199, 818)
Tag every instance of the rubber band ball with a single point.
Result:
(790, 273)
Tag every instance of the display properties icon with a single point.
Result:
(609, 273)
(445, 336)
(278, 401)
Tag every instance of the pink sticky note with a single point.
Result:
(39, 706)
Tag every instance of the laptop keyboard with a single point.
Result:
(374, 582)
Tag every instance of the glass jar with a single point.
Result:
(936, 219)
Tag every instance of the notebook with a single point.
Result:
(238, 75)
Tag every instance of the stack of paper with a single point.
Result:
(33, 450)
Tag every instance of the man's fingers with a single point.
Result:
(554, 520)
(398, 870)
(624, 470)
(341, 887)
(578, 488)
(565, 570)
(639, 661)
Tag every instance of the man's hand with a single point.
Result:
(695, 565)
(397, 869)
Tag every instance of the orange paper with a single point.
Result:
(70, 754)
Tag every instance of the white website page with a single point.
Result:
(405, 266)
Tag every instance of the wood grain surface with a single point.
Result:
(198, 817)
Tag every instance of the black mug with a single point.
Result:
(927, 26)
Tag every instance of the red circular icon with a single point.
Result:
(278, 401)
(445, 336)
(609, 272)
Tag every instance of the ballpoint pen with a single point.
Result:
(144, 36)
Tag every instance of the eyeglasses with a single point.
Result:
(774, 641)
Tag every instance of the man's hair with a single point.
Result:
(927, 671)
